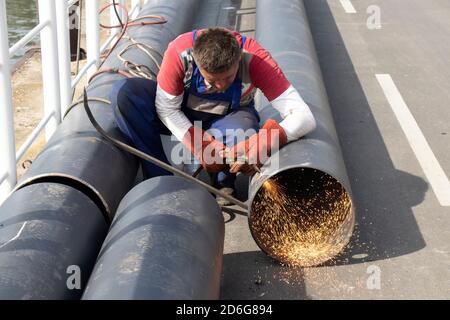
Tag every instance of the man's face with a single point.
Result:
(223, 80)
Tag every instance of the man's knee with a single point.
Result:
(126, 94)
(237, 126)
(246, 118)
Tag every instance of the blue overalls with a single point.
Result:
(133, 101)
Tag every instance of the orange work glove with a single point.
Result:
(206, 149)
(258, 148)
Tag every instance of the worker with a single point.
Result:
(204, 96)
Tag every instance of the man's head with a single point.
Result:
(217, 55)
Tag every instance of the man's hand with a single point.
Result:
(245, 168)
(258, 148)
(239, 164)
(206, 149)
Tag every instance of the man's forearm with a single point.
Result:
(169, 111)
(298, 119)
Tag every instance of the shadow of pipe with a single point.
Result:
(383, 196)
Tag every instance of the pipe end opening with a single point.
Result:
(77, 184)
(302, 217)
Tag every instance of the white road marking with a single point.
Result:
(348, 6)
(431, 167)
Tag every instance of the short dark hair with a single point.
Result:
(216, 50)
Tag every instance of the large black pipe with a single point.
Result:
(165, 242)
(313, 212)
(79, 159)
(53, 219)
(50, 235)
(77, 155)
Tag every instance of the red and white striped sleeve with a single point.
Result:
(170, 89)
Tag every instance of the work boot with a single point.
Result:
(221, 201)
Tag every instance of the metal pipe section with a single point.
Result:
(7, 141)
(92, 36)
(166, 242)
(113, 21)
(135, 8)
(32, 136)
(27, 37)
(80, 159)
(50, 66)
(180, 16)
(50, 235)
(77, 155)
(63, 21)
(301, 212)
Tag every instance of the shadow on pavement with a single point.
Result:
(383, 196)
(253, 275)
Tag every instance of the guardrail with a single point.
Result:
(57, 81)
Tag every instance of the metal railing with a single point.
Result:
(57, 81)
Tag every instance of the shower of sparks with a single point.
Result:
(302, 225)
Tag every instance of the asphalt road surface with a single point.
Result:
(386, 65)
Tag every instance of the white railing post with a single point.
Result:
(113, 19)
(112, 15)
(135, 3)
(8, 154)
(50, 66)
(62, 19)
(122, 12)
(92, 35)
